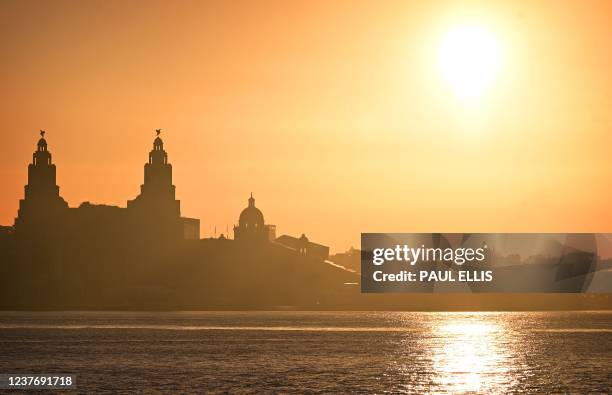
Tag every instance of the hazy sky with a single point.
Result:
(333, 113)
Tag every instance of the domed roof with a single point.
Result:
(251, 214)
(158, 143)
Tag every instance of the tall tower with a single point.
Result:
(42, 202)
(157, 194)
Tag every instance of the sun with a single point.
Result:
(469, 59)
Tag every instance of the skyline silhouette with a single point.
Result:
(303, 109)
(146, 255)
(42, 199)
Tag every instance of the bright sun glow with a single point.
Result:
(469, 59)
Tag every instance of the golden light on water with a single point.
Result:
(458, 352)
(470, 359)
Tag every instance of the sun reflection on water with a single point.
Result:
(468, 357)
(456, 353)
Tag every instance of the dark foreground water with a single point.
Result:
(315, 351)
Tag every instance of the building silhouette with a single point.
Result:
(154, 216)
(146, 255)
(157, 192)
(42, 207)
(157, 204)
(304, 246)
(251, 226)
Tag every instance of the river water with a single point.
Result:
(537, 352)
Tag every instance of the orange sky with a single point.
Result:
(331, 112)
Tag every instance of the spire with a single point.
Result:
(251, 201)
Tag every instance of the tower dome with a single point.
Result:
(158, 143)
(251, 217)
(158, 155)
(42, 143)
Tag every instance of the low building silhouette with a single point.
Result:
(304, 246)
